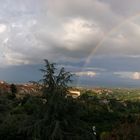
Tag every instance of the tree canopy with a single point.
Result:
(54, 79)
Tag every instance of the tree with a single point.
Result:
(13, 89)
(54, 79)
(59, 118)
(62, 118)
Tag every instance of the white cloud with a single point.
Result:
(5, 41)
(130, 75)
(3, 28)
(80, 31)
(136, 75)
(86, 73)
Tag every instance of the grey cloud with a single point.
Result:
(54, 32)
(124, 8)
(90, 9)
(66, 30)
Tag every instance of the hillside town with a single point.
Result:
(30, 88)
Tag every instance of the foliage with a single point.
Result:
(58, 117)
(55, 80)
(13, 89)
(35, 120)
(62, 120)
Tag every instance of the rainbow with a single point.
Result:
(105, 37)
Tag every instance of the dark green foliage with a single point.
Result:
(58, 117)
(13, 88)
(54, 80)
(63, 118)
(62, 121)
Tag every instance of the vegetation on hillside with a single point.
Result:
(56, 116)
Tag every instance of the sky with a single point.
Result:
(98, 40)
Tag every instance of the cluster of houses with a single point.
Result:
(29, 88)
(21, 88)
(4, 87)
(102, 91)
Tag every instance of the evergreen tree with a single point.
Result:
(54, 80)
(62, 119)
(13, 89)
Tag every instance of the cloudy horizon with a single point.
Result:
(98, 40)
